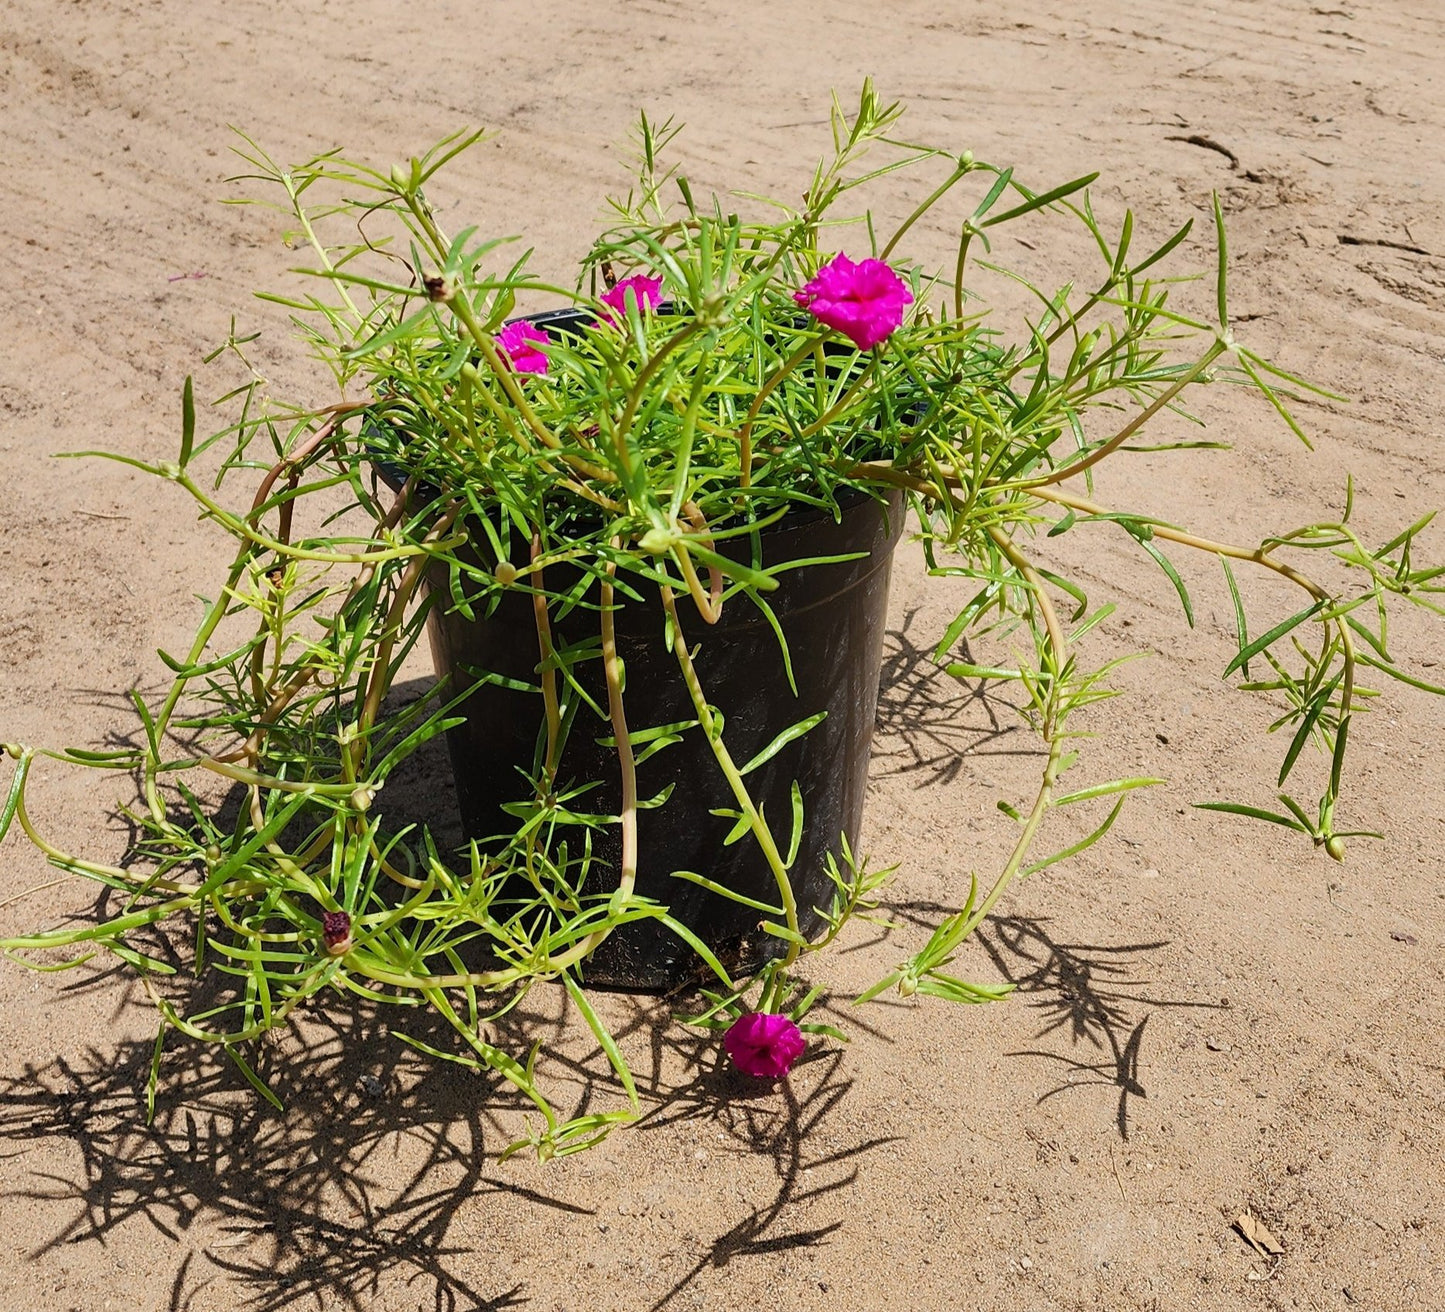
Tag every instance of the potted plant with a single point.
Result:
(649, 532)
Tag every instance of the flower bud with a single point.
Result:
(1335, 846)
(362, 798)
(505, 573)
(401, 176)
(336, 932)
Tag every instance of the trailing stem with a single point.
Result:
(758, 826)
(1053, 660)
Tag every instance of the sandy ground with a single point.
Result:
(1208, 1020)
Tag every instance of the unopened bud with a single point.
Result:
(362, 798)
(400, 176)
(336, 932)
(1335, 846)
(505, 573)
(907, 986)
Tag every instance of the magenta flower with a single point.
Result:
(764, 1045)
(515, 341)
(646, 295)
(336, 932)
(864, 302)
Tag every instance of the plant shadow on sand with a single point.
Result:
(1089, 990)
(358, 1186)
(380, 1172)
(382, 1168)
(928, 721)
(1092, 991)
(785, 1122)
(287, 1204)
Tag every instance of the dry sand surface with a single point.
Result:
(1209, 1019)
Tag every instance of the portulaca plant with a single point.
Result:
(721, 374)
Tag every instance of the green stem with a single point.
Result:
(1258, 556)
(462, 308)
(1217, 349)
(1056, 652)
(639, 386)
(844, 401)
(965, 237)
(745, 434)
(937, 195)
(756, 823)
(548, 666)
(612, 666)
(411, 579)
(304, 218)
(241, 529)
(214, 615)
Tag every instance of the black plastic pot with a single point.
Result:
(832, 616)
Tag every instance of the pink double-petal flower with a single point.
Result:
(764, 1045)
(644, 290)
(515, 342)
(864, 301)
